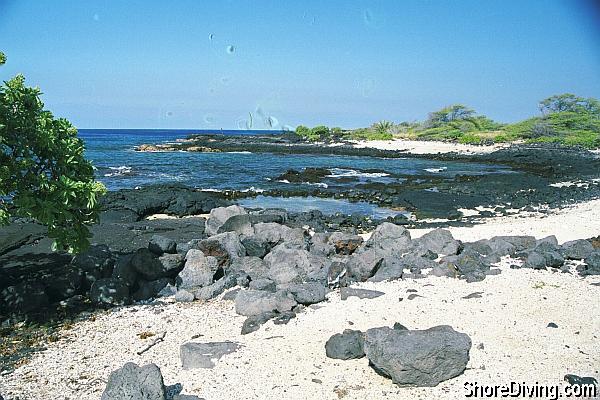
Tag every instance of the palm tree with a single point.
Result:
(383, 126)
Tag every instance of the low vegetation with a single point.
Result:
(566, 119)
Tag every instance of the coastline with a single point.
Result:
(426, 147)
(515, 307)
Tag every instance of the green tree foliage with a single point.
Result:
(456, 112)
(568, 102)
(43, 172)
(566, 119)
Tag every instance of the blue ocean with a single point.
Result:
(118, 166)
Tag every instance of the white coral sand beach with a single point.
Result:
(508, 326)
(427, 147)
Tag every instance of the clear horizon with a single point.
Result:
(153, 65)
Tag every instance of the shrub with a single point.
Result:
(43, 172)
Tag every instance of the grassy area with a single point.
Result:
(565, 119)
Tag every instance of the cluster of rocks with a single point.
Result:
(280, 267)
(174, 147)
(409, 357)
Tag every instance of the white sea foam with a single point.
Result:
(340, 173)
(435, 170)
(119, 171)
(252, 189)
(319, 184)
(283, 181)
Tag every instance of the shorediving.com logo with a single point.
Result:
(528, 390)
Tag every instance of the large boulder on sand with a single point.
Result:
(308, 293)
(132, 382)
(440, 241)
(417, 358)
(577, 249)
(204, 355)
(387, 244)
(288, 264)
(255, 302)
(199, 270)
(364, 264)
(219, 216)
(346, 345)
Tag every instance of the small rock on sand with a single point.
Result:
(204, 355)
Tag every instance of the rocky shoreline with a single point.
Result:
(275, 273)
(173, 244)
(538, 177)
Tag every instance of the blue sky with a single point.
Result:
(166, 64)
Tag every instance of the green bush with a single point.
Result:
(43, 172)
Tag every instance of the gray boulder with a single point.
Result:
(439, 241)
(150, 289)
(212, 291)
(204, 355)
(224, 246)
(263, 284)
(274, 234)
(386, 232)
(592, 264)
(308, 293)
(183, 296)
(186, 397)
(417, 358)
(290, 264)
(241, 224)
(346, 292)
(254, 322)
(160, 245)
(220, 215)
(199, 270)
(469, 267)
(319, 244)
(535, 260)
(364, 264)
(255, 247)
(346, 345)
(501, 247)
(124, 270)
(577, 249)
(151, 267)
(132, 382)
(109, 291)
(254, 302)
(253, 266)
(520, 243)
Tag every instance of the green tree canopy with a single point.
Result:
(568, 102)
(456, 112)
(43, 172)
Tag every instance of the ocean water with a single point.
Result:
(118, 166)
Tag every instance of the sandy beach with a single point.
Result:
(507, 324)
(427, 147)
